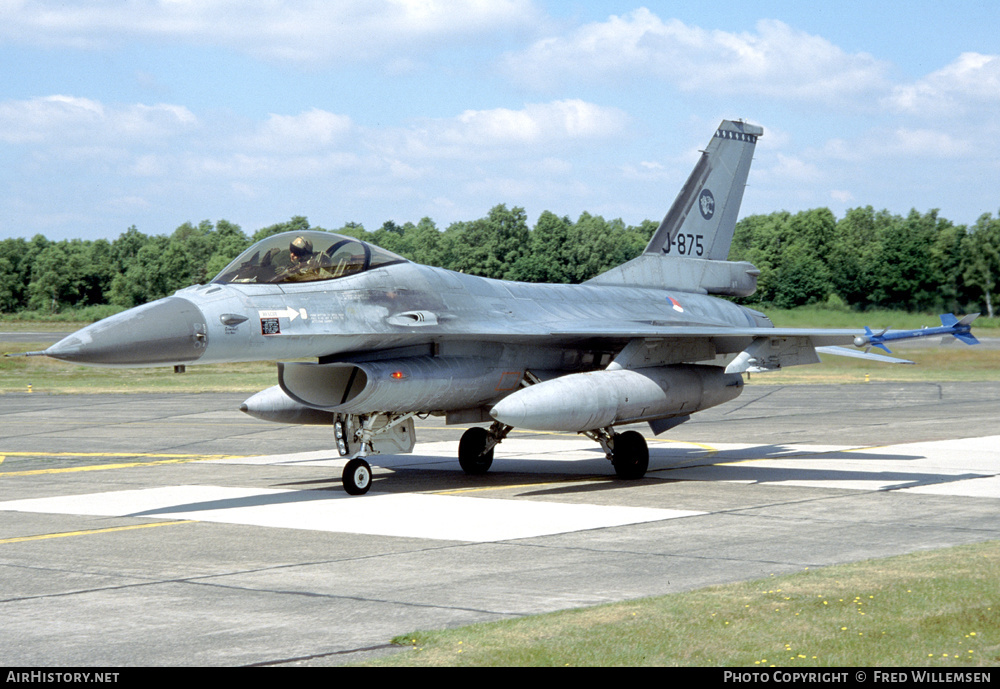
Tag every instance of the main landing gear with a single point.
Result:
(627, 452)
(475, 449)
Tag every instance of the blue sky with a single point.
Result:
(154, 113)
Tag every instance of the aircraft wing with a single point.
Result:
(759, 349)
(756, 348)
(628, 331)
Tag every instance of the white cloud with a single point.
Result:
(148, 166)
(790, 167)
(59, 119)
(310, 130)
(566, 119)
(646, 170)
(899, 142)
(167, 144)
(775, 60)
(33, 121)
(971, 81)
(242, 166)
(297, 31)
(926, 143)
(503, 131)
(554, 167)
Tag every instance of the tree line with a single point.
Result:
(867, 259)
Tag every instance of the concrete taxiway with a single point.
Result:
(173, 530)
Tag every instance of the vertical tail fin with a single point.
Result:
(701, 221)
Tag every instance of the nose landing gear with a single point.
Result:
(357, 476)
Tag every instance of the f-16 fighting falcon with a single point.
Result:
(647, 341)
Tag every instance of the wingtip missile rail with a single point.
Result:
(960, 329)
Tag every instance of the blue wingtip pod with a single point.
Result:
(960, 329)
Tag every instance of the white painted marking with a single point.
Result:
(965, 467)
(440, 517)
(287, 312)
(968, 468)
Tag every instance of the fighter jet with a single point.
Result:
(386, 339)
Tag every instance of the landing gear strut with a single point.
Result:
(475, 449)
(369, 434)
(627, 452)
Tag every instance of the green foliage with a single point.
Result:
(866, 260)
(871, 260)
(980, 268)
(296, 224)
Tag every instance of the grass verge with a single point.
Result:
(46, 375)
(954, 362)
(825, 317)
(937, 608)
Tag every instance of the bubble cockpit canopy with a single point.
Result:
(306, 256)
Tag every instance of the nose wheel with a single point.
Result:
(357, 476)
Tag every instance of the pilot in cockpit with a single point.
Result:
(304, 263)
(300, 250)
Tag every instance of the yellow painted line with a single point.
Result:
(89, 532)
(111, 454)
(181, 459)
(703, 446)
(94, 467)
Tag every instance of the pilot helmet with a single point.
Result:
(301, 247)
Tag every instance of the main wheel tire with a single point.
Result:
(474, 461)
(631, 455)
(357, 477)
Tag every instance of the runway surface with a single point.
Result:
(174, 530)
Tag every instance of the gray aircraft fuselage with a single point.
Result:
(400, 305)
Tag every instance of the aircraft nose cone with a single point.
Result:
(164, 332)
